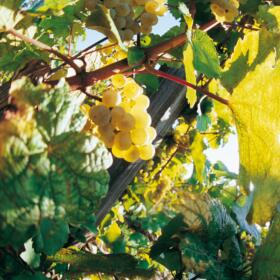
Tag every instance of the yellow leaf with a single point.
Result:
(113, 232)
(197, 147)
(190, 74)
(255, 103)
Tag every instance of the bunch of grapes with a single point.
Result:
(122, 12)
(225, 10)
(122, 121)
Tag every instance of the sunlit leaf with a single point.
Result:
(255, 104)
(190, 74)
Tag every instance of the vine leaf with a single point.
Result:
(206, 59)
(51, 173)
(135, 55)
(190, 74)
(101, 20)
(51, 237)
(9, 18)
(197, 147)
(85, 262)
(255, 102)
(267, 263)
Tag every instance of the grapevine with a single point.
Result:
(109, 147)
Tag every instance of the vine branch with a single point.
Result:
(45, 47)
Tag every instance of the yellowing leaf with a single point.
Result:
(255, 103)
(113, 232)
(190, 74)
(197, 147)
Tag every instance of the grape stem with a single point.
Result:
(185, 83)
(45, 47)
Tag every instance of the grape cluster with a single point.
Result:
(123, 14)
(225, 10)
(122, 121)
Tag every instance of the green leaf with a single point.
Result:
(150, 82)
(203, 122)
(255, 104)
(100, 20)
(270, 17)
(206, 59)
(85, 262)
(9, 16)
(50, 170)
(29, 255)
(51, 237)
(174, 4)
(250, 6)
(55, 5)
(135, 55)
(165, 250)
(266, 262)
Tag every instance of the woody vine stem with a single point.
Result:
(83, 79)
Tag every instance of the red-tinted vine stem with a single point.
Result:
(185, 83)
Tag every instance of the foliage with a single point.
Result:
(182, 216)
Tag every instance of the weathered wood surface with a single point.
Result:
(166, 106)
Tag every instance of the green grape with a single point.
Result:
(146, 152)
(142, 118)
(152, 134)
(135, 28)
(129, 21)
(217, 10)
(132, 154)
(152, 7)
(126, 122)
(146, 29)
(127, 34)
(142, 101)
(162, 10)
(118, 80)
(131, 90)
(111, 3)
(122, 140)
(117, 113)
(139, 136)
(117, 152)
(126, 106)
(148, 19)
(123, 9)
(111, 98)
(100, 115)
(107, 135)
(91, 4)
(120, 22)
(225, 10)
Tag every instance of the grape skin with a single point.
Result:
(122, 140)
(147, 152)
(100, 115)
